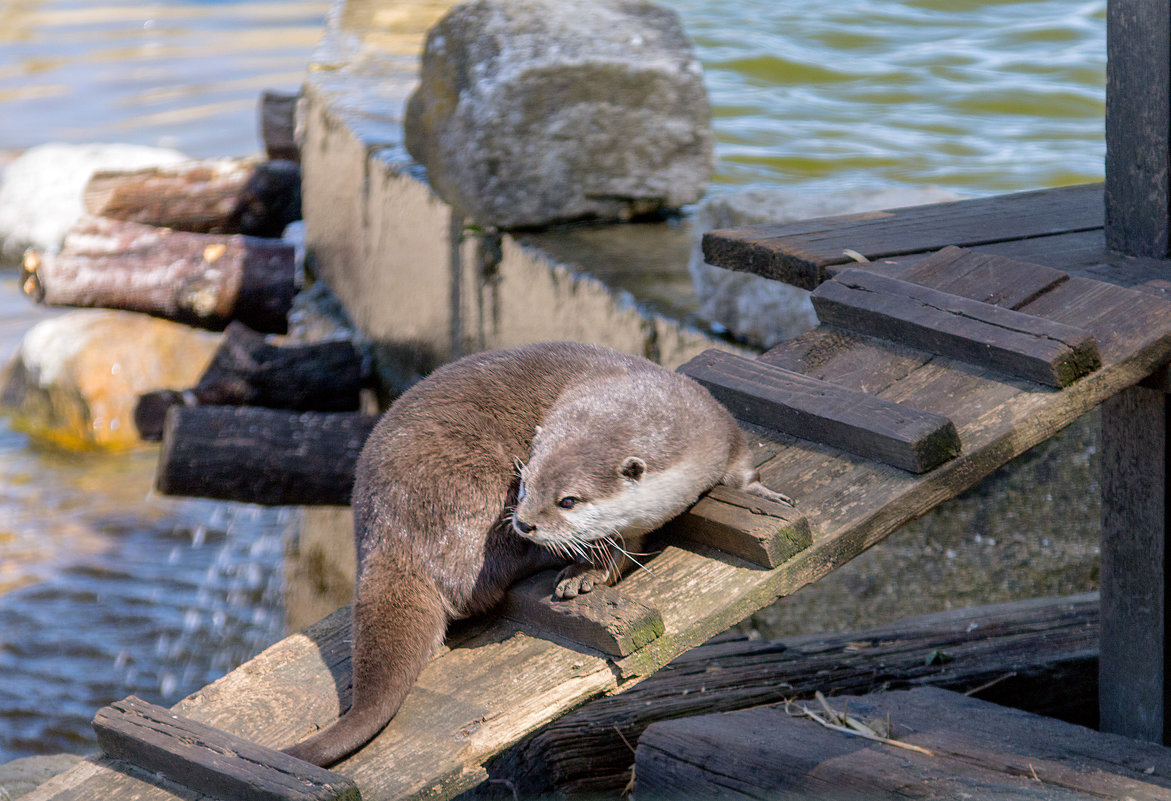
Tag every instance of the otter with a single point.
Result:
(498, 466)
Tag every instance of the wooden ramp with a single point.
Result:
(865, 431)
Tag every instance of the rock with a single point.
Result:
(531, 112)
(758, 309)
(40, 192)
(76, 378)
(21, 776)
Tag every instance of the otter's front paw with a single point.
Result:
(578, 579)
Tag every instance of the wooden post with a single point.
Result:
(1138, 127)
(1133, 688)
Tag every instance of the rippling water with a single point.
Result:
(106, 589)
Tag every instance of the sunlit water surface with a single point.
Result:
(108, 590)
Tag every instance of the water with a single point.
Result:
(107, 590)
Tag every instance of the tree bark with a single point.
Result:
(264, 456)
(206, 280)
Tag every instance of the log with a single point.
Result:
(278, 125)
(957, 748)
(1021, 345)
(221, 196)
(248, 371)
(821, 411)
(209, 760)
(205, 280)
(1039, 655)
(264, 456)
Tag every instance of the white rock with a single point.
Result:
(759, 309)
(40, 192)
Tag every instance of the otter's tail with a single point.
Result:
(399, 620)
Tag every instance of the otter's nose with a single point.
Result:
(522, 526)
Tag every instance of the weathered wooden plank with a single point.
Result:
(826, 413)
(603, 618)
(764, 532)
(209, 760)
(1134, 693)
(984, 277)
(1038, 655)
(976, 749)
(799, 253)
(1138, 127)
(1022, 345)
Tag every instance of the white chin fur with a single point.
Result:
(641, 506)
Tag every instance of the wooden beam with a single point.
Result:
(1019, 344)
(798, 253)
(968, 749)
(603, 618)
(826, 413)
(764, 532)
(211, 761)
(1134, 691)
(1138, 127)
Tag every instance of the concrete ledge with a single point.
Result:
(423, 283)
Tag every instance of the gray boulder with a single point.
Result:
(532, 112)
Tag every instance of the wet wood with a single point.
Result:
(278, 125)
(206, 280)
(1021, 345)
(826, 413)
(211, 761)
(222, 196)
(974, 750)
(248, 371)
(799, 253)
(1038, 655)
(764, 532)
(1134, 690)
(603, 618)
(263, 456)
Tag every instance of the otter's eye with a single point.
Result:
(568, 502)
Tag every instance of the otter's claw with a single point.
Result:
(578, 579)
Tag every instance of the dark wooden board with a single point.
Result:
(1039, 655)
(984, 277)
(1138, 127)
(1134, 691)
(798, 253)
(209, 760)
(603, 618)
(978, 750)
(1028, 347)
(764, 532)
(826, 413)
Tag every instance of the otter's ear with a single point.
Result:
(633, 468)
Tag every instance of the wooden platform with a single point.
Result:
(960, 748)
(502, 679)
